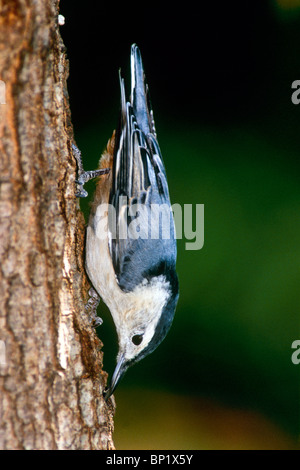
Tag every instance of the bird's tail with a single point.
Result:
(139, 97)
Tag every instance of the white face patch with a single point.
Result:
(145, 303)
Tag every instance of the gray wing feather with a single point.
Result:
(139, 194)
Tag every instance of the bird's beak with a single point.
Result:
(120, 370)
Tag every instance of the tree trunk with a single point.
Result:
(51, 377)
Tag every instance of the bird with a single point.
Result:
(130, 239)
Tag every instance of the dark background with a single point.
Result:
(220, 76)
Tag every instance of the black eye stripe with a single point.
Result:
(137, 339)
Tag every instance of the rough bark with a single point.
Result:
(51, 377)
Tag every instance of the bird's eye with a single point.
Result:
(137, 339)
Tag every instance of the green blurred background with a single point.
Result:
(220, 80)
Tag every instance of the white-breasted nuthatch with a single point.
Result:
(131, 243)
